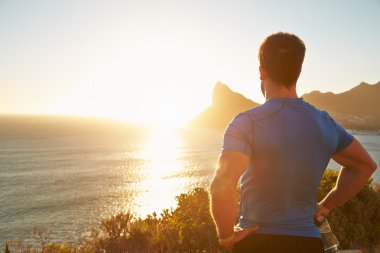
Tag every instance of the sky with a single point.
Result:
(157, 62)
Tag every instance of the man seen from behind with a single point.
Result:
(279, 152)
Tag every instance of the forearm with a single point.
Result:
(223, 208)
(349, 183)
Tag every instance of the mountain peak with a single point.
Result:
(221, 88)
(365, 87)
(225, 105)
(224, 96)
(362, 85)
(219, 84)
(356, 108)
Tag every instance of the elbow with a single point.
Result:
(369, 168)
(373, 167)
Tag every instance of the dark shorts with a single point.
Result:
(264, 243)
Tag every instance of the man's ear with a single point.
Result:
(263, 73)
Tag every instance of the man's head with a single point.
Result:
(281, 56)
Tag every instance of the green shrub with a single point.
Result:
(357, 222)
(189, 227)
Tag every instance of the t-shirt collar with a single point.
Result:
(285, 99)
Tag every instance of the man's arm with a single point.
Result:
(229, 168)
(357, 168)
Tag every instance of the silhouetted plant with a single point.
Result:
(6, 250)
(189, 228)
(42, 235)
(357, 222)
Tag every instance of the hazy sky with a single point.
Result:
(157, 61)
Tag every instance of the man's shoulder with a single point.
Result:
(245, 119)
(268, 110)
(262, 111)
(322, 113)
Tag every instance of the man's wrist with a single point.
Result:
(225, 240)
(325, 206)
(225, 234)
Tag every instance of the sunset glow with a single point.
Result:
(157, 62)
(115, 116)
(141, 86)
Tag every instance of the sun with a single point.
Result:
(149, 85)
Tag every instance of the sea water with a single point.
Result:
(68, 174)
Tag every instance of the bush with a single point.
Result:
(357, 222)
(189, 227)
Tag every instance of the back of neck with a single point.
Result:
(276, 90)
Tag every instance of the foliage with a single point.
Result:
(6, 249)
(42, 235)
(189, 227)
(357, 222)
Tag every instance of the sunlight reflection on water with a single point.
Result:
(70, 181)
(162, 153)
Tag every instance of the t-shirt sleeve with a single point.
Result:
(237, 135)
(344, 137)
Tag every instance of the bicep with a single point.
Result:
(230, 166)
(354, 156)
(235, 154)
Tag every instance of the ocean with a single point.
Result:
(67, 174)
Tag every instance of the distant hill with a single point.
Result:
(225, 105)
(358, 108)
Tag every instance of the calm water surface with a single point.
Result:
(68, 175)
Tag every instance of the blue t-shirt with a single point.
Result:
(289, 143)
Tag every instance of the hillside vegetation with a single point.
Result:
(189, 227)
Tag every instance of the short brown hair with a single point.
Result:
(281, 55)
